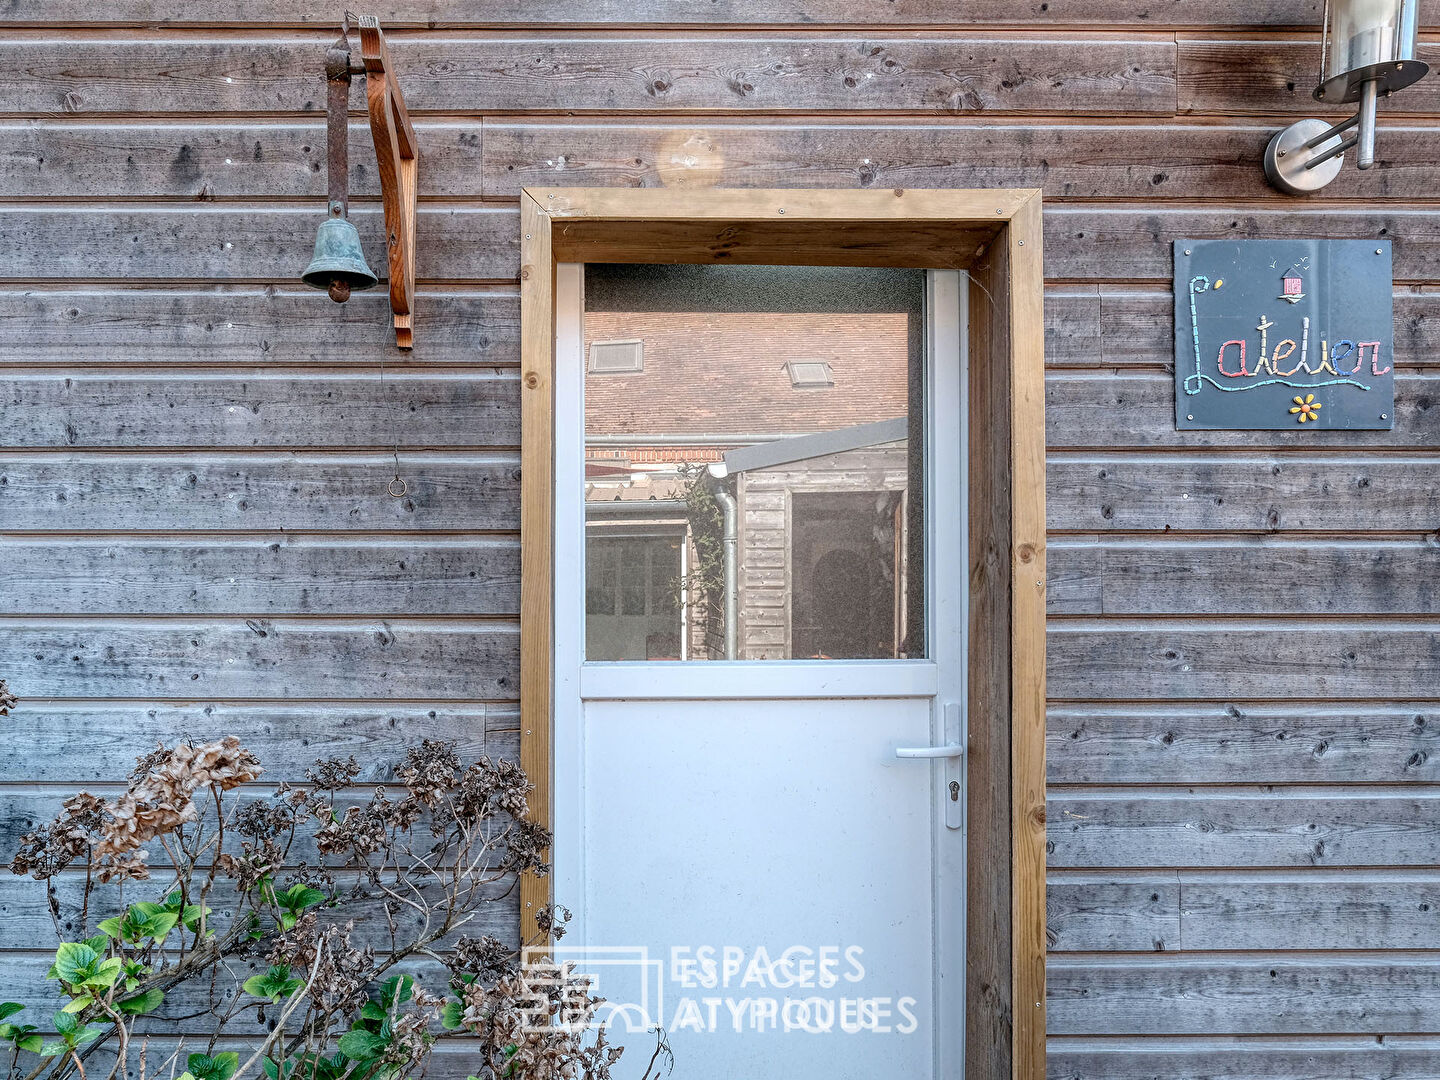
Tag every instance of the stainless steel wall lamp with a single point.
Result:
(1368, 50)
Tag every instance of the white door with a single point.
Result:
(759, 774)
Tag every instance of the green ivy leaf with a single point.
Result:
(274, 985)
(299, 897)
(142, 1003)
(65, 1024)
(90, 1034)
(372, 1011)
(361, 1045)
(106, 974)
(219, 1067)
(157, 926)
(452, 1018)
(403, 983)
(52, 1049)
(30, 1043)
(9, 1008)
(79, 1004)
(112, 927)
(100, 943)
(75, 962)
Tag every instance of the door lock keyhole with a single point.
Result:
(954, 790)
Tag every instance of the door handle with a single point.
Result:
(947, 751)
(951, 756)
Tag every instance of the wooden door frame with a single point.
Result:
(995, 235)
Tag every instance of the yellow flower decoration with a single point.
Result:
(1307, 408)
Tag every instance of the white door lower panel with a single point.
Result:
(771, 860)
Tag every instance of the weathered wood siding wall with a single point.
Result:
(194, 534)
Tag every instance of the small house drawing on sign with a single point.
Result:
(1292, 286)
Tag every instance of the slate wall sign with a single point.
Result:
(1273, 334)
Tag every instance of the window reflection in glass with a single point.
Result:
(754, 463)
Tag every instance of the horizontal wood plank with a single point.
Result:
(781, 72)
(1136, 242)
(1217, 910)
(1091, 161)
(1318, 910)
(1313, 1057)
(1112, 912)
(1108, 659)
(1270, 75)
(1198, 575)
(409, 659)
(1138, 410)
(228, 242)
(1226, 14)
(1249, 827)
(1244, 994)
(1305, 741)
(73, 327)
(260, 408)
(98, 742)
(261, 491)
(1155, 493)
(264, 575)
(218, 159)
(28, 924)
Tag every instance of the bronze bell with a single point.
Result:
(339, 263)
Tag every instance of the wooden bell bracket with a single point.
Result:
(395, 152)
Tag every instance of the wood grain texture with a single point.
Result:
(1249, 492)
(228, 242)
(1109, 659)
(1217, 910)
(70, 327)
(1224, 14)
(1306, 741)
(1138, 410)
(424, 659)
(537, 535)
(1112, 911)
(1316, 910)
(493, 72)
(1027, 634)
(258, 491)
(261, 575)
(90, 742)
(989, 958)
(1357, 993)
(1307, 1057)
(1277, 74)
(1243, 827)
(215, 159)
(1136, 242)
(262, 408)
(1370, 576)
(1101, 160)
